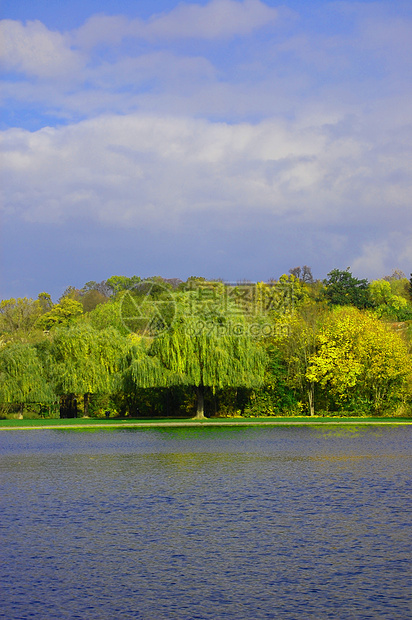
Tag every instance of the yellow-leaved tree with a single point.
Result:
(361, 363)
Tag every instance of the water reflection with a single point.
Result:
(205, 523)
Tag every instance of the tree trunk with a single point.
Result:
(68, 406)
(200, 411)
(311, 398)
(86, 405)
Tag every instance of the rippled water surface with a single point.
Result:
(290, 523)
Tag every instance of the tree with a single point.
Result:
(387, 305)
(117, 284)
(397, 274)
(91, 299)
(19, 317)
(85, 360)
(22, 376)
(71, 292)
(108, 315)
(359, 362)
(399, 284)
(92, 294)
(101, 287)
(343, 289)
(61, 313)
(276, 395)
(204, 349)
(303, 274)
(45, 301)
(298, 347)
(293, 289)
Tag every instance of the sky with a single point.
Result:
(231, 139)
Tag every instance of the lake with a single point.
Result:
(199, 523)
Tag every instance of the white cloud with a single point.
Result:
(35, 50)
(122, 170)
(215, 20)
(219, 18)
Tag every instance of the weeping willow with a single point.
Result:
(204, 348)
(85, 360)
(22, 377)
(145, 370)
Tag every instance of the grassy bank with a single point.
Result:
(54, 423)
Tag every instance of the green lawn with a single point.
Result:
(113, 422)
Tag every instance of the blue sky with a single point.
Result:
(224, 138)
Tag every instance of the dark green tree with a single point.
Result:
(343, 289)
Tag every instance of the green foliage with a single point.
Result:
(121, 283)
(387, 305)
(19, 317)
(201, 349)
(71, 292)
(297, 349)
(275, 397)
(142, 370)
(85, 360)
(108, 314)
(148, 308)
(160, 347)
(22, 376)
(45, 301)
(61, 314)
(91, 299)
(294, 289)
(343, 289)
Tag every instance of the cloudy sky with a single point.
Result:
(223, 138)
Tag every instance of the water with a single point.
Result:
(229, 523)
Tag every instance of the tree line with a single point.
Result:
(163, 347)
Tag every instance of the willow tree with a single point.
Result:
(85, 360)
(208, 348)
(142, 371)
(22, 377)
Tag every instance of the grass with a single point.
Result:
(124, 422)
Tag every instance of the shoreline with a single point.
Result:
(106, 424)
